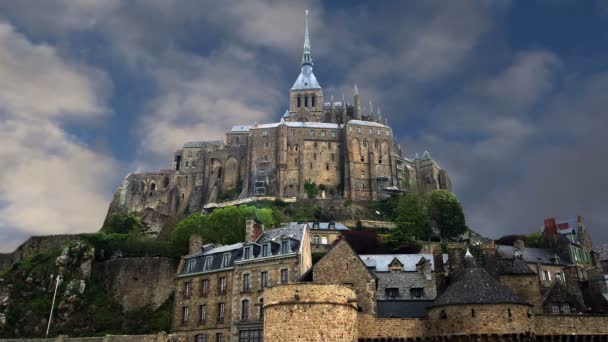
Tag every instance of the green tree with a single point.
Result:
(412, 219)
(311, 189)
(532, 240)
(223, 226)
(445, 212)
(120, 223)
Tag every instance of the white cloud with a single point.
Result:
(49, 182)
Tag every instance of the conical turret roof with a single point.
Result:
(474, 285)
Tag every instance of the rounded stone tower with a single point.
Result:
(310, 312)
(476, 304)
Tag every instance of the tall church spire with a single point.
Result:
(306, 57)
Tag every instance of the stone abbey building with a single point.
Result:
(349, 153)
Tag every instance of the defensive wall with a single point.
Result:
(160, 337)
(139, 282)
(310, 312)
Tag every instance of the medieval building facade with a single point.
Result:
(347, 151)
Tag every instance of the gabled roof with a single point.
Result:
(474, 285)
(409, 261)
(513, 267)
(195, 263)
(530, 254)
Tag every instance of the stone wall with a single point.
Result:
(310, 312)
(372, 327)
(489, 319)
(160, 337)
(342, 266)
(527, 287)
(138, 282)
(571, 325)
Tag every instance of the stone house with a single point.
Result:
(219, 290)
(324, 234)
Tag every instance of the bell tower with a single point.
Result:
(306, 95)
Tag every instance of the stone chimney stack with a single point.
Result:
(440, 279)
(195, 244)
(518, 249)
(488, 251)
(253, 229)
(455, 258)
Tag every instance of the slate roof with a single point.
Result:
(195, 263)
(366, 123)
(474, 285)
(325, 226)
(530, 254)
(241, 128)
(306, 79)
(297, 124)
(603, 251)
(405, 281)
(513, 266)
(409, 261)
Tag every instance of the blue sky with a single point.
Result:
(506, 95)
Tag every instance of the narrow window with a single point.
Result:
(226, 260)
(311, 165)
(364, 143)
(202, 313)
(261, 313)
(200, 338)
(284, 247)
(314, 156)
(222, 285)
(284, 276)
(472, 312)
(246, 283)
(204, 287)
(299, 101)
(333, 134)
(313, 100)
(306, 101)
(247, 254)
(509, 312)
(333, 156)
(350, 128)
(312, 132)
(221, 311)
(219, 337)
(265, 249)
(185, 315)
(293, 131)
(315, 240)
(327, 167)
(187, 289)
(207, 265)
(263, 279)
(245, 310)
(358, 129)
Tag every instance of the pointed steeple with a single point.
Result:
(371, 111)
(307, 79)
(356, 104)
(306, 57)
(379, 115)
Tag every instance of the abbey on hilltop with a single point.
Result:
(348, 152)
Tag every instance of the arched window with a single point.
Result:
(152, 187)
(299, 101)
(376, 144)
(313, 100)
(200, 338)
(364, 143)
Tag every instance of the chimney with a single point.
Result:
(488, 251)
(253, 229)
(440, 281)
(550, 226)
(518, 249)
(195, 244)
(455, 258)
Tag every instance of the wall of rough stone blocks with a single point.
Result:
(525, 286)
(571, 325)
(138, 282)
(372, 327)
(310, 312)
(160, 337)
(487, 319)
(342, 266)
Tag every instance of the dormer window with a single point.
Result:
(416, 292)
(191, 265)
(265, 250)
(247, 253)
(315, 225)
(207, 264)
(284, 247)
(226, 260)
(332, 225)
(392, 292)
